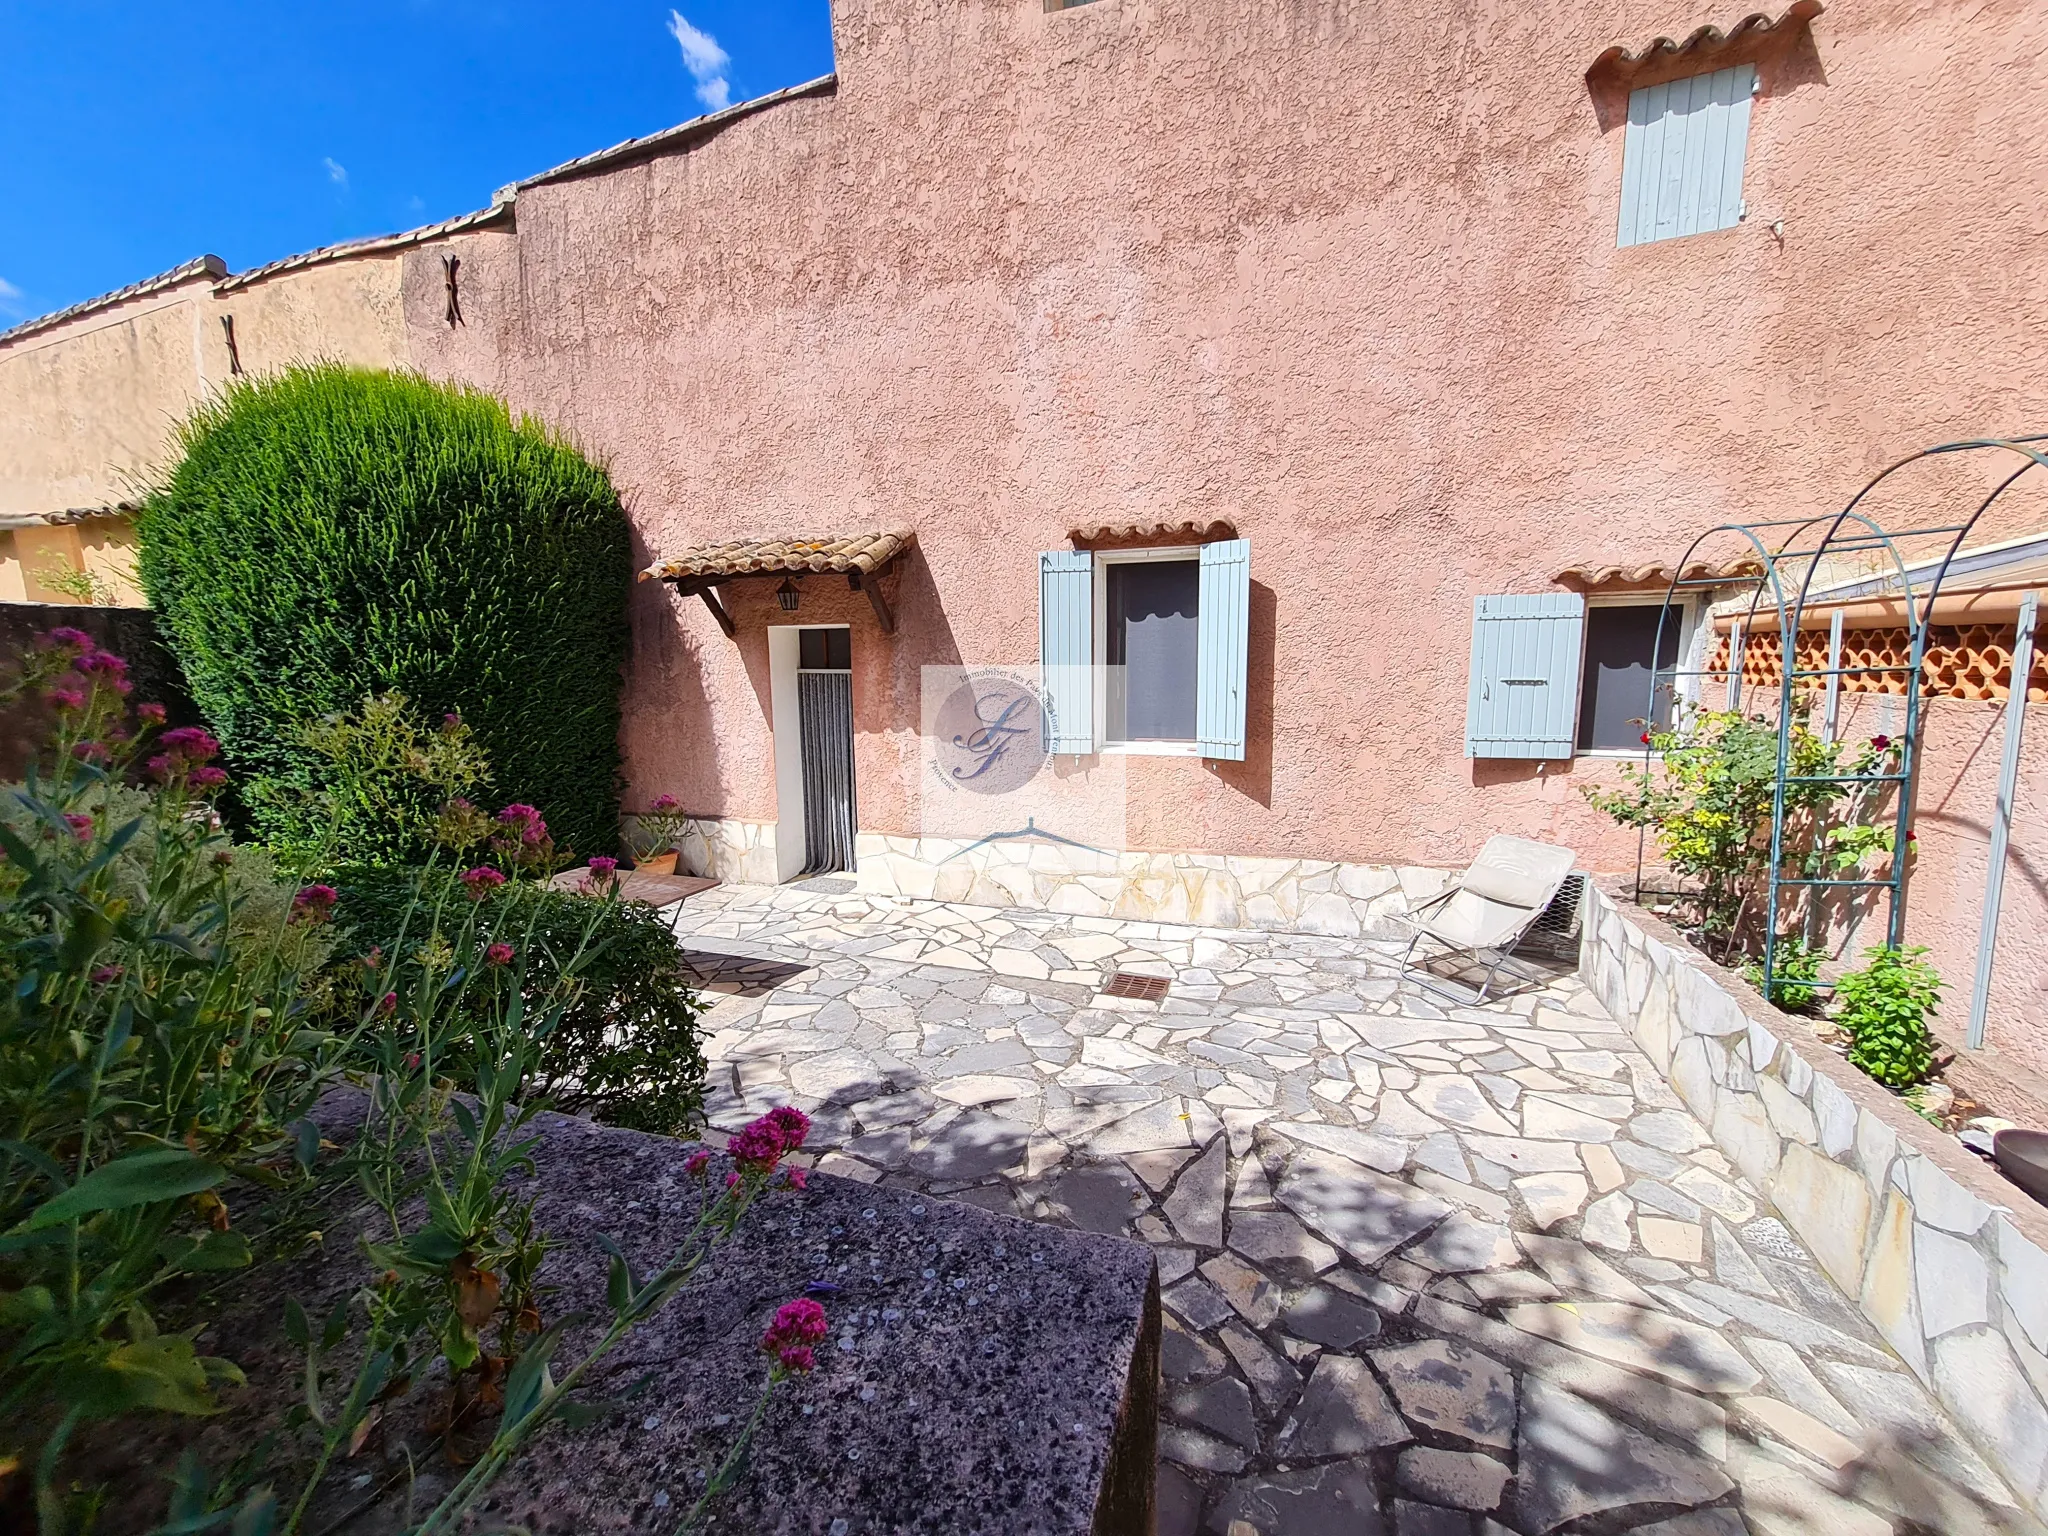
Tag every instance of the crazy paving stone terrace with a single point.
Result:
(1429, 1270)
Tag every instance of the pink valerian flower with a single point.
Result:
(695, 1164)
(499, 954)
(481, 881)
(105, 668)
(106, 975)
(150, 714)
(756, 1147)
(602, 866)
(665, 803)
(792, 1122)
(795, 1178)
(797, 1327)
(189, 744)
(66, 699)
(522, 822)
(207, 776)
(90, 752)
(315, 903)
(388, 1003)
(80, 824)
(451, 721)
(183, 750)
(70, 639)
(1880, 743)
(761, 1144)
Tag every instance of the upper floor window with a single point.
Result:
(1682, 160)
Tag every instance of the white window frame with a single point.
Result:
(1191, 554)
(1688, 607)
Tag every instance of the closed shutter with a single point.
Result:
(1066, 648)
(1223, 615)
(1523, 698)
(1682, 159)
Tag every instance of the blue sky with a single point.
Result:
(134, 137)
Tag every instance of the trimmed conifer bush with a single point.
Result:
(334, 532)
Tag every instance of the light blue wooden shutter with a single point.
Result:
(1523, 699)
(1681, 163)
(1066, 648)
(1224, 614)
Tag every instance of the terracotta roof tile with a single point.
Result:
(862, 552)
(1703, 41)
(210, 267)
(1152, 533)
(1656, 574)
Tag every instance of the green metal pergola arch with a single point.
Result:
(1783, 545)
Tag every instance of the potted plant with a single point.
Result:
(654, 834)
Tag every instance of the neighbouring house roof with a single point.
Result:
(1588, 578)
(198, 266)
(1152, 533)
(861, 553)
(12, 520)
(500, 210)
(680, 136)
(1704, 42)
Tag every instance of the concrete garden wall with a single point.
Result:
(1944, 1256)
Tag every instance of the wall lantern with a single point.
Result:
(786, 595)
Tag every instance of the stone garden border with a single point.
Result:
(1948, 1260)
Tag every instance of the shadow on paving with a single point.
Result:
(1427, 1270)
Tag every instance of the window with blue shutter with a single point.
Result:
(1523, 697)
(1224, 620)
(1682, 160)
(1066, 648)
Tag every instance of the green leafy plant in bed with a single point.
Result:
(171, 1012)
(1884, 1009)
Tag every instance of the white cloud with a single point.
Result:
(10, 298)
(336, 171)
(705, 61)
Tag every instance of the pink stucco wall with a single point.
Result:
(1343, 274)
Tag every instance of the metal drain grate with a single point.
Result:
(1145, 989)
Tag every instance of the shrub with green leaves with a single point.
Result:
(1884, 1009)
(1707, 802)
(332, 533)
(626, 1048)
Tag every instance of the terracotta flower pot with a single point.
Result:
(658, 864)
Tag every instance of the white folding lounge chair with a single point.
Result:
(1485, 915)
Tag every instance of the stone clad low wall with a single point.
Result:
(724, 848)
(1943, 1256)
(1207, 890)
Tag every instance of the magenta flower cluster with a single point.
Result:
(665, 803)
(601, 865)
(760, 1144)
(498, 954)
(481, 881)
(187, 753)
(315, 903)
(522, 822)
(798, 1327)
